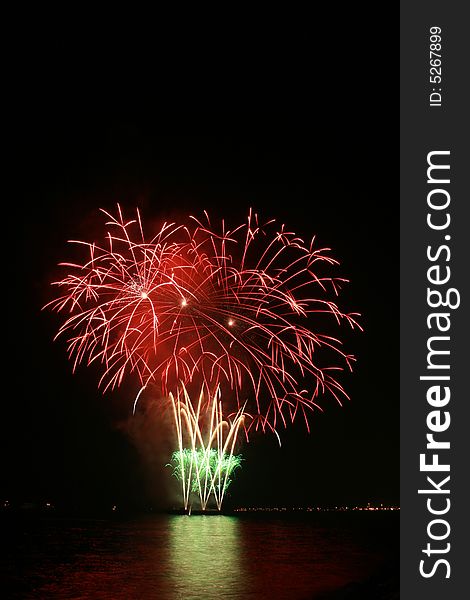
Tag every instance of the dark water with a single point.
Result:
(166, 557)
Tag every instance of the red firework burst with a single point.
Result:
(210, 307)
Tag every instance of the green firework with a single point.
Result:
(205, 471)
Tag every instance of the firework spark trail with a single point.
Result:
(218, 307)
(205, 457)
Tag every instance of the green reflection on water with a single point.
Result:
(204, 556)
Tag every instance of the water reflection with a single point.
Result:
(195, 558)
(204, 557)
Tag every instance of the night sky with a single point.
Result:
(328, 174)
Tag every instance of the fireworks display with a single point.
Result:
(205, 467)
(205, 457)
(204, 470)
(238, 313)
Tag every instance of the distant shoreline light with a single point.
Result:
(317, 508)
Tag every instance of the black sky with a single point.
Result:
(323, 169)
